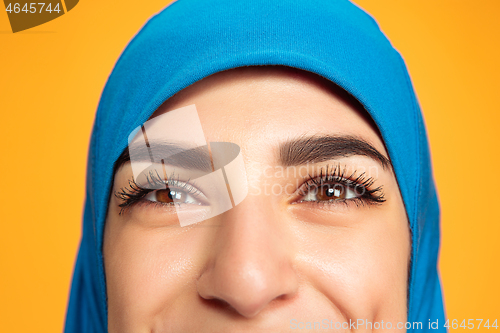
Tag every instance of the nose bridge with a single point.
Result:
(252, 259)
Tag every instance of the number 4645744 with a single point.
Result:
(33, 8)
(470, 324)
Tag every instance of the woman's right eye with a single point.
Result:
(170, 196)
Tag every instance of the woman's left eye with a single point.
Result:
(329, 192)
(172, 195)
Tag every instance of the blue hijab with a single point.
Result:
(192, 39)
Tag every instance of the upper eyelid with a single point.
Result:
(312, 182)
(138, 191)
(339, 176)
(186, 186)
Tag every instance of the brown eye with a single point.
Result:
(169, 195)
(329, 192)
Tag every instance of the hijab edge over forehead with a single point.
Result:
(192, 39)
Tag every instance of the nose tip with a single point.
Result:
(247, 288)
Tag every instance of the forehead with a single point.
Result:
(260, 105)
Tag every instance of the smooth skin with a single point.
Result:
(273, 263)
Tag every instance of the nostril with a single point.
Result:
(218, 304)
(283, 297)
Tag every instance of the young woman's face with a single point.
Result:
(312, 242)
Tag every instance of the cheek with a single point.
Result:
(363, 267)
(148, 269)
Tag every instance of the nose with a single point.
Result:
(251, 262)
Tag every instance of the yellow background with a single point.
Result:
(51, 80)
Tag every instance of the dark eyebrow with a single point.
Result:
(316, 149)
(197, 158)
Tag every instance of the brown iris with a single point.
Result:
(330, 192)
(169, 196)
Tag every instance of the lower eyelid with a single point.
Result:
(332, 204)
(147, 204)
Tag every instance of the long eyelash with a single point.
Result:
(134, 193)
(338, 175)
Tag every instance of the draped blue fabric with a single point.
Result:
(192, 39)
